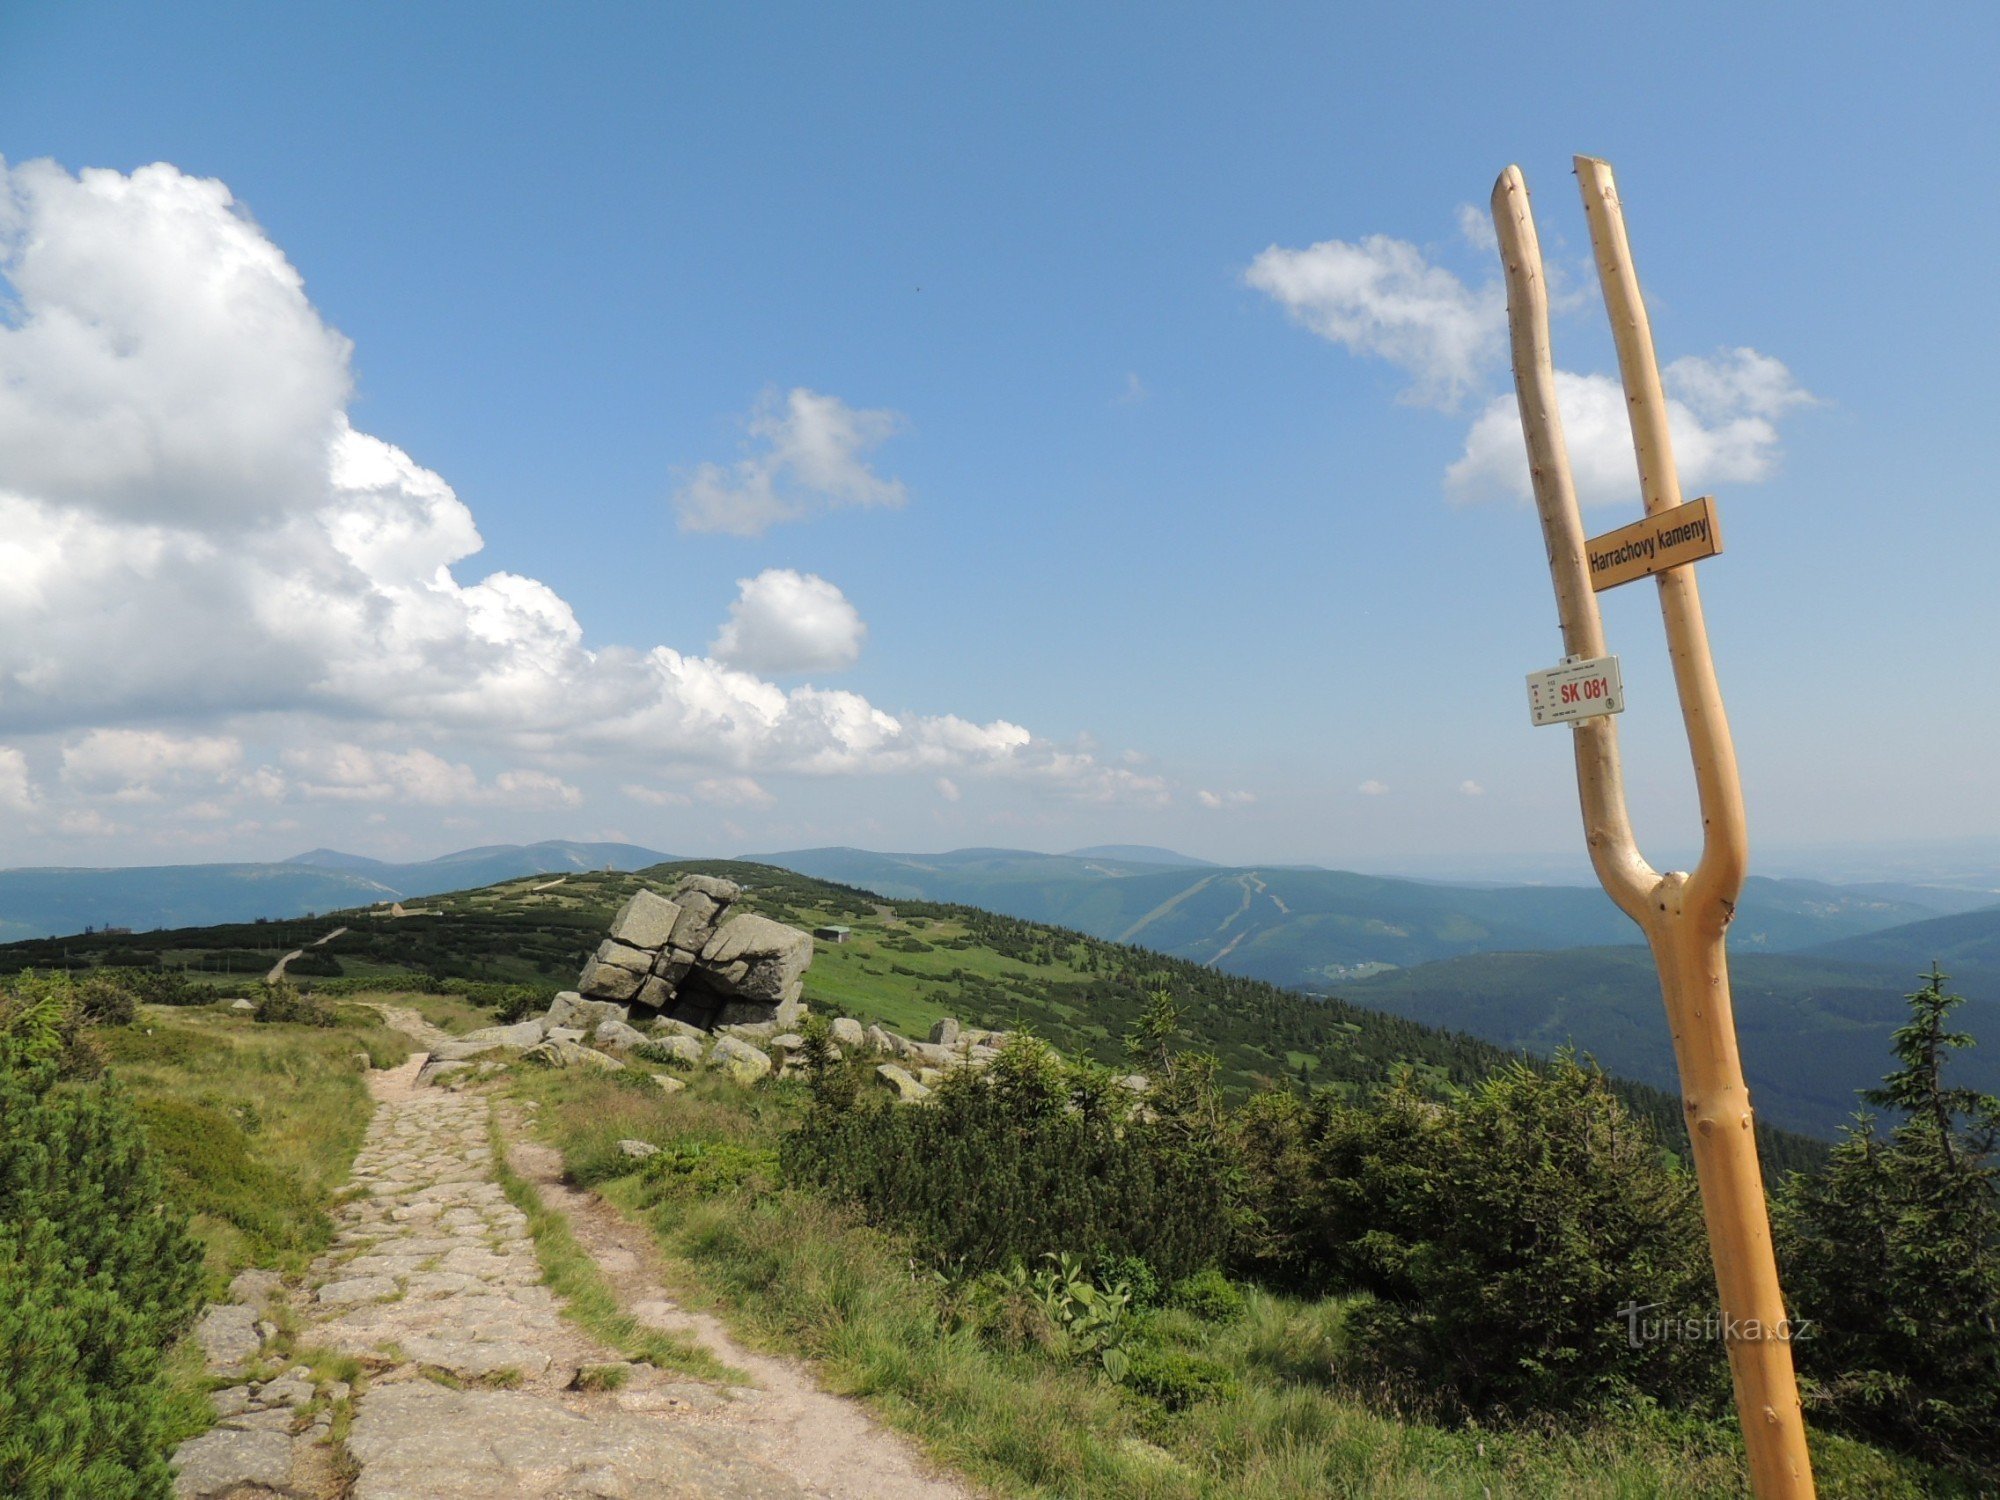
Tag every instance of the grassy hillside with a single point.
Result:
(1813, 1030)
(907, 965)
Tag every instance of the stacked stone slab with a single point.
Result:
(685, 958)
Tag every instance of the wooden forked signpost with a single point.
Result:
(1684, 916)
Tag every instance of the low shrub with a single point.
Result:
(1208, 1295)
(282, 1002)
(1500, 1231)
(165, 987)
(1176, 1378)
(95, 1280)
(997, 1169)
(105, 1001)
(700, 1169)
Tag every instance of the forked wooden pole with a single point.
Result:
(1684, 917)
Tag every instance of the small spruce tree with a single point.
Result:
(1893, 1253)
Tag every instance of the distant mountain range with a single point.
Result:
(1819, 969)
(1315, 929)
(50, 902)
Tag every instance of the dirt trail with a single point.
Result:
(278, 969)
(828, 1443)
(433, 1272)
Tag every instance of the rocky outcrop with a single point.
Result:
(684, 957)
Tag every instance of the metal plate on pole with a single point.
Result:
(1666, 539)
(1586, 689)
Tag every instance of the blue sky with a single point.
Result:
(1061, 462)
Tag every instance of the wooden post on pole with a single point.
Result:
(1684, 917)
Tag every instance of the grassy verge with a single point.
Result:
(587, 1298)
(255, 1126)
(1263, 1420)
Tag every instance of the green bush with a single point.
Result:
(282, 1002)
(1176, 1378)
(996, 1168)
(105, 1001)
(1501, 1231)
(1208, 1295)
(165, 987)
(96, 1278)
(700, 1169)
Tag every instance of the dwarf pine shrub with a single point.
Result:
(96, 1278)
(1502, 1231)
(999, 1168)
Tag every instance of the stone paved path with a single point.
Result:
(433, 1282)
(433, 1285)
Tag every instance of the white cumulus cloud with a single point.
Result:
(808, 456)
(785, 621)
(1373, 788)
(1380, 296)
(193, 534)
(1722, 413)
(133, 765)
(1471, 789)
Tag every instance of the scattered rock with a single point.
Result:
(229, 1458)
(617, 1034)
(684, 1048)
(460, 1048)
(242, 1005)
(554, 1054)
(667, 1025)
(256, 1288)
(638, 1150)
(944, 1033)
(437, 1068)
(907, 1088)
(520, 1036)
(847, 1032)
(227, 1334)
(667, 1082)
(744, 1062)
(791, 1041)
(572, 1010)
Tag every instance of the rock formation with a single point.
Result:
(684, 957)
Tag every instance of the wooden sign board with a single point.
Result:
(1583, 689)
(1683, 534)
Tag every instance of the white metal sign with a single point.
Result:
(1578, 689)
